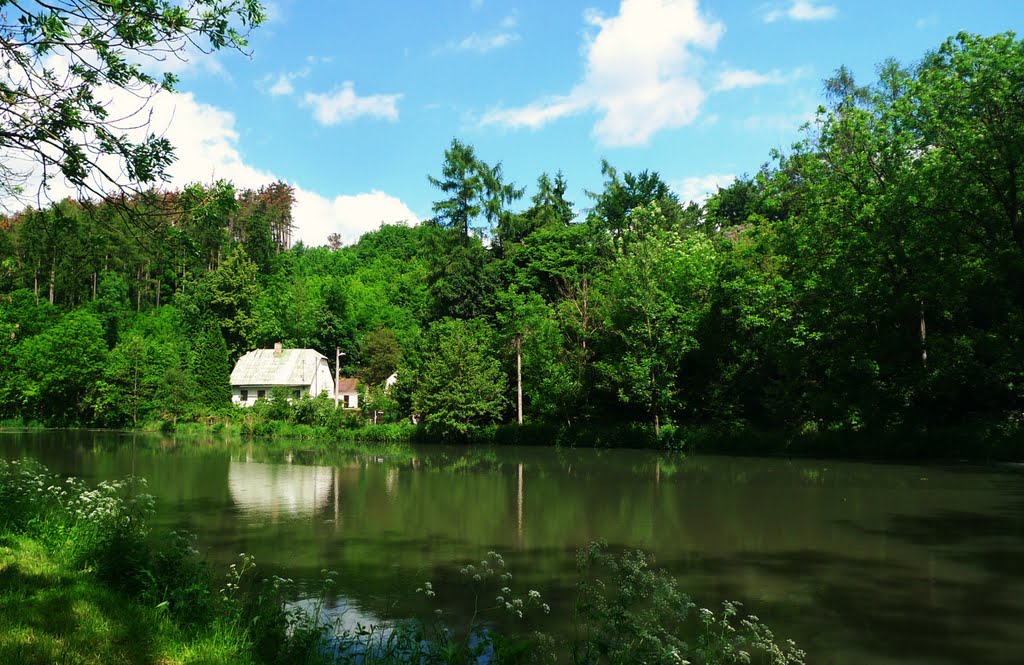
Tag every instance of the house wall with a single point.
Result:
(323, 381)
(253, 393)
(353, 400)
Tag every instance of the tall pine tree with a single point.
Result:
(212, 370)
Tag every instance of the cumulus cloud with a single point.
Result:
(349, 215)
(800, 10)
(699, 188)
(640, 73)
(345, 105)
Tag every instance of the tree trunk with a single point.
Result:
(53, 277)
(924, 338)
(519, 377)
(657, 427)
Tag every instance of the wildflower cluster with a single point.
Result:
(492, 569)
(724, 642)
(628, 611)
(85, 523)
(231, 590)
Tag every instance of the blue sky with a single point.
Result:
(354, 103)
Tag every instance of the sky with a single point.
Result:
(354, 103)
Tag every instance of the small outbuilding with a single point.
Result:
(348, 392)
(298, 371)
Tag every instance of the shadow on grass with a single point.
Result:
(49, 616)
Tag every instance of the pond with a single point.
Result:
(879, 563)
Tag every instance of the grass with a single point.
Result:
(52, 613)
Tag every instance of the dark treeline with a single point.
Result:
(867, 280)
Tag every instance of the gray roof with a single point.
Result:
(294, 367)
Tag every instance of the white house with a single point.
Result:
(348, 392)
(299, 371)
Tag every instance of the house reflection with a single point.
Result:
(281, 490)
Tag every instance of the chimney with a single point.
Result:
(277, 349)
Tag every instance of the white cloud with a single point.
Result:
(801, 10)
(745, 78)
(345, 105)
(284, 83)
(349, 215)
(732, 79)
(699, 188)
(487, 41)
(777, 122)
(484, 43)
(537, 114)
(640, 73)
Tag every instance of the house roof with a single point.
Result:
(347, 385)
(294, 367)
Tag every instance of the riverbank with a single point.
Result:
(985, 442)
(979, 443)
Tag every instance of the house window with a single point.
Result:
(295, 394)
(245, 396)
(260, 394)
(348, 401)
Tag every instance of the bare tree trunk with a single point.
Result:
(924, 338)
(53, 277)
(158, 292)
(35, 283)
(519, 377)
(135, 394)
(657, 427)
(138, 289)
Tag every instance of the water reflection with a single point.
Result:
(274, 490)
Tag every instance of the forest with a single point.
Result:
(868, 279)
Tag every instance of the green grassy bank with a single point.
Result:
(983, 442)
(54, 612)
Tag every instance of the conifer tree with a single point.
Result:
(212, 370)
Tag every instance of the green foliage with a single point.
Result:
(212, 371)
(658, 295)
(461, 384)
(58, 367)
(111, 304)
(381, 354)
